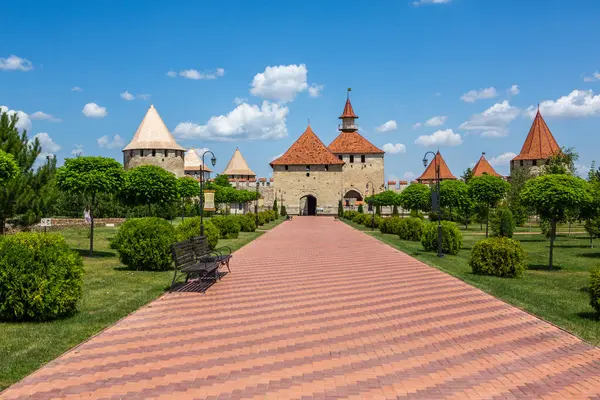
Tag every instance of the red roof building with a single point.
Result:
(429, 176)
(483, 167)
(307, 150)
(539, 146)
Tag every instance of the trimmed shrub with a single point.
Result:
(191, 227)
(378, 221)
(595, 289)
(247, 223)
(451, 238)
(359, 218)
(390, 225)
(283, 211)
(368, 220)
(411, 229)
(502, 223)
(145, 243)
(417, 214)
(41, 278)
(498, 256)
(350, 214)
(229, 226)
(261, 219)
(360, 209)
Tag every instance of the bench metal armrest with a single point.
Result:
(224, 250)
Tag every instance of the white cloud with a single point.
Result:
(417, 125)
(494, 121)
(473, 95)
(514, 90)
(76, 89)
(315, 90)
(240, 100)
(417, 3)
(391, 148)
(43, 116)
(143, 96)
(48, 145)
(244, 122)
(127, 96)
(281, 82)
(502, 160)
(23, 123)
(594, 77)
(440, 138)
(93, 110)
(77, 150)
(577, 104)
(436, 121)
(582, 170)
(388, 126)
(107, 142)
(409, 176)
(14, 63)
(196, 75)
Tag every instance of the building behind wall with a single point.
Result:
(193, 166)
(153, 144)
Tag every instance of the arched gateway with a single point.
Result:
(308, 205)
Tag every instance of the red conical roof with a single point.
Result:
(352, 142)
(540, 143)
(348, 110)
(483, 167)
(429, 174)
(307, 150)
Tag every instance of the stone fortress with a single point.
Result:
(311, 178)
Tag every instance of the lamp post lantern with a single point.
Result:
(213, 161)
(436, 199)
(372, 205)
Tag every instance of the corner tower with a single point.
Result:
(153, 144)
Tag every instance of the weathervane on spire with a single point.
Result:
(348, 94)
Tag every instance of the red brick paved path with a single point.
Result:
(315, 309)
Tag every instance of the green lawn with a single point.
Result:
(110, 293)
(559, 296)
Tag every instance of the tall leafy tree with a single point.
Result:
(416, 196)
(25, 197)
(518, 177)
(90, 177)
(487, 191)
(562, 162)
(553, 196)
(222, 180)
(9, 169)
(467, 175)
(453, 194)
(187, 188)
(150, 185)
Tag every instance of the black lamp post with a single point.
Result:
(213, 161)
(372, 205)
(435, 199)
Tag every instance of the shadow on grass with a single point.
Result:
(585, 289)
(544, 268)
(589, 255)
(589, 315)
(96, 254)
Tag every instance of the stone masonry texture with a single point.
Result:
(314, 309)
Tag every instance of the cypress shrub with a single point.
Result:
(283, 211)
(498, 256)
(191, 227)
(145, 243)
(229, 226)
(360, 209)
(595, 289)
(502, 223)
(451, 238)
(411, 229)
(340, 209)
(41, 278)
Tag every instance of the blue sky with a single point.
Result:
(251, 73)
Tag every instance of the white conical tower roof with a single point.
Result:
(193, 162)
(153, 134)
(238, 166)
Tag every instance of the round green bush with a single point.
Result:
(390, 225)
(498, 256)
(411, 229)
(191, 227)
(350, 214)
(451, 237)
(229, 227)
(502, 223)
(368, 220)
(145, 243)
(261, 219)
(595, 289)
(247, 223)
(41, 278)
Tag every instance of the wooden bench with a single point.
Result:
(187, 262)
(202, 251)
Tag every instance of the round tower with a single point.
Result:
(153, 144)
